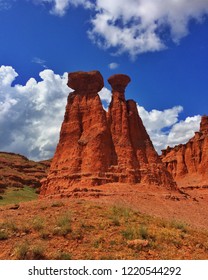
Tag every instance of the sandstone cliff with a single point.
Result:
(96, 147)
(188, 163)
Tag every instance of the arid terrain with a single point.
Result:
(107, 193)
(17, 171)
(115, 221)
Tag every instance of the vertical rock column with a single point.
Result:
(152, 170)
(84, 151)
(97, 148)
(137, 158)
(118, 119)
(202, 152)
(142, 145)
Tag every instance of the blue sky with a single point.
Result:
(162, 47)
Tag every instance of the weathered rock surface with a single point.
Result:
(96, 147)
(188, 163)
(82, 82)
(137, 159)
(18, 171)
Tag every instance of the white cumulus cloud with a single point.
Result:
(31, 115)
(165, 128)
(182, 131)
(136, 26)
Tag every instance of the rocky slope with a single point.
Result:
(96, 147)
(107, 228)
(17, 171)
(188, 163)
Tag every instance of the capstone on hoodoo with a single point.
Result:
(98, 147)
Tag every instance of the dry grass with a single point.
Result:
(79, 229)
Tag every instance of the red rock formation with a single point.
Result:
(97, 148)
(188, 163)
(85, 149)
(118, 118)
(137, 158)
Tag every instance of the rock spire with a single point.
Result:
(96, 147)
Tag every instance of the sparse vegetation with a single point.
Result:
(97, 242)
(131, 233)
(143, 232)
(179, 225)
(115, 221)
(26, 227)
(63, 256)
(16, 195)
(21, 250)
(20, 178)
(119, 214)
(3, 235)
(10, 225)
(57, 204)
(38, 223)
(37, 252)
(63, 225)
(26, 251)
(44, 234)
(107, 233)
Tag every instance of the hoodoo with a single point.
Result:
(188, 162)
(96, 147)
(137, 159)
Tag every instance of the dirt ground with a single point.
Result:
(189, 207)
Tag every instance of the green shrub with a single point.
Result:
(37, 253)
(57, 204)
(44, 234)
(129, 233)
(63, 225)
(116, 222)
(63, 256)
(21, 251)
(135, 233)
(3, 235)
(143, 232)
(97, 242)
(179, 225)
(38, 223)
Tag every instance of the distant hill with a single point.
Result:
(18, 171)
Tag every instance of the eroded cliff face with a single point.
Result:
(16, 171)
(188, 163)
(96, 147)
